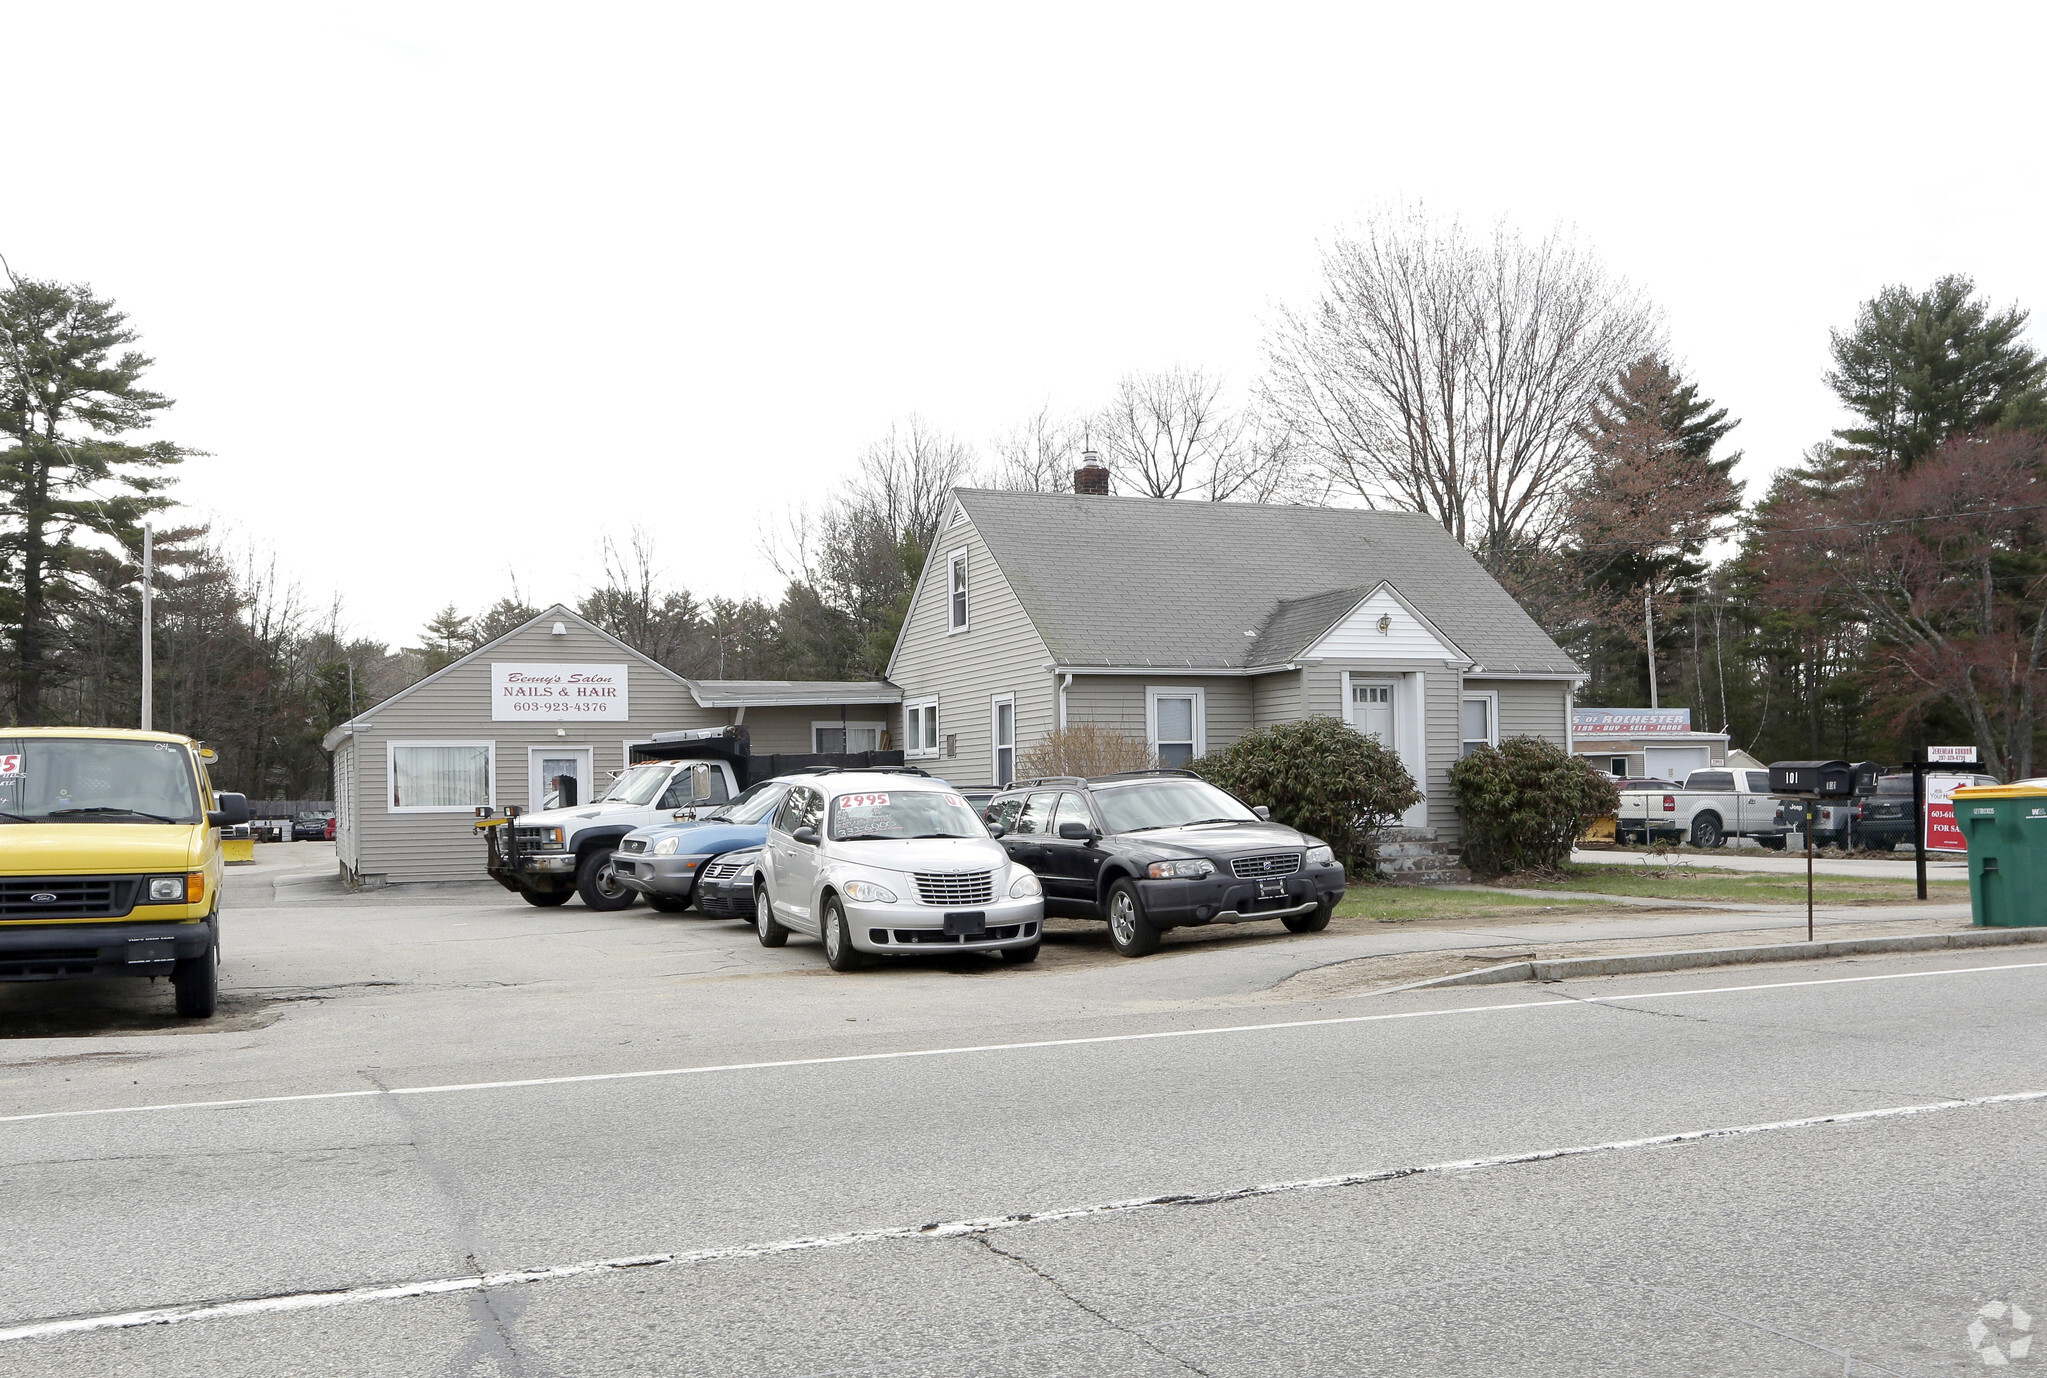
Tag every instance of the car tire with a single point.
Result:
(1706, 831)
(599, 886)
(196, 982)
(546, 899)
(666, 904)
(1313, 922)
(839, 952)
(771, 933)
(1131, 931)
(1021, 955)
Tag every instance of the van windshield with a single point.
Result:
(96, 780)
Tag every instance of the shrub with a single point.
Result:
(1085, 749)
(1524, 803)
(1319, 775)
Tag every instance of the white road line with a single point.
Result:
(945, 1229)
(1556, 1003)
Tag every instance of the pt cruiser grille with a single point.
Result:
(1271, 864)
(972, 887)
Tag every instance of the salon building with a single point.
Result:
(547, 714)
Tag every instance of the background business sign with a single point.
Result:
(1952, 755)
(1629, 722)
(540, 693)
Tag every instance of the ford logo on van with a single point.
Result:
(42, 897)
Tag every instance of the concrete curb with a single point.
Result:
(1564, 968)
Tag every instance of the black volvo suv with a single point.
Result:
(1158, 849)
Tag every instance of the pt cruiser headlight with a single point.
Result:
(1025, 887)
(867, 892)
(1320, 856)
(666, 846)
(1183, 870)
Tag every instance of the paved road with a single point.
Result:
(899, 1098)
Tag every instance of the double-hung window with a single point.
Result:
(1002, 730)
(920, 727)
(838, 738)
(1176, 724)
(1481, 722)
(440, 777)
(956, 583)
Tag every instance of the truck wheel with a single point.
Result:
(1314, 921)
(1131, 933)
(198, 989)
(599, 885)
(765, 928)
(545, 899)
(839, 951)
(1706, 831)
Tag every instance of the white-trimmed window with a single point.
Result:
(440, 777)
(1480, 721)
(956, 591)
(920, 727)
(1176, 724)
(1002, 732)
(837, 738)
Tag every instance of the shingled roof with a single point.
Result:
(1113, 581)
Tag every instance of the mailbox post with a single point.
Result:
(1808, 782)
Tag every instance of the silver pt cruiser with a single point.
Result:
(893, 864)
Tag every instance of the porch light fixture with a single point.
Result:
(1385, 623)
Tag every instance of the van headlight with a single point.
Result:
(666, 846)
(1320, 856)
(1184, 870)
(167, 890)
(867, 892)
(1025, 887)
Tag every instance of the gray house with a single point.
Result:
(1189, 624)
(556, 698)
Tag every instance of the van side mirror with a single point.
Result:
(807, 836)
(1263, 813)
(1075, 831)
(229, 811)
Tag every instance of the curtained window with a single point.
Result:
(451, 776)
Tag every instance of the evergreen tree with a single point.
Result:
(70, 390)
(1919, 367)
(444, 640)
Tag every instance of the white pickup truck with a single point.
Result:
(1713, 806)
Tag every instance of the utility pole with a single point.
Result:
(1649, 637)
(148, 629)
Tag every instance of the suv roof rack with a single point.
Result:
(1043, 780)
(860, 770)
(1145, 774)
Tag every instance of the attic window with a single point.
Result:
(956, 582)
(959, 514)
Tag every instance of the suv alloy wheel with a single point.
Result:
(1130, 932)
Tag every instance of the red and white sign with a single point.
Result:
(1951, 755)
(10, 765)
(863, 801)
(1942, 832)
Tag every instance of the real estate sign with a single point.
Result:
(526, 692)
(1942, 833)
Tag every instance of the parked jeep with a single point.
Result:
(1158, 849)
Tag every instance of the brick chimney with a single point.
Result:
(1092, 477)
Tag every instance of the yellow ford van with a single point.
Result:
(110, 858)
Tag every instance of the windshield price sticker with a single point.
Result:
(10, 766)
(863, 801)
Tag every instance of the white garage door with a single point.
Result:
(1675, 762)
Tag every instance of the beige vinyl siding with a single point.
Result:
(398, 847)
(999, 653)
(1117, 701)
(1276, 698)
(1528, 708)
(1442, 696)
(345, 827)
(788, 729)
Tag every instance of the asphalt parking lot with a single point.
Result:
(443, 1132)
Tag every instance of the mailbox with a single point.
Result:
(1812, 780)
(1866, 774)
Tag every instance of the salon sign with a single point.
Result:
(525, 692)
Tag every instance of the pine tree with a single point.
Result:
(444, 640)
(1919, 367)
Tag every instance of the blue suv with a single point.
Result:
(664, 862)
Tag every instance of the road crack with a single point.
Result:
(1080, 1305)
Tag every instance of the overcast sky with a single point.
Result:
(450, 292)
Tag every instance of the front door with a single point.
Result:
(1371, 710)
(558, 777)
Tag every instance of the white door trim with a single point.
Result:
(586, 781)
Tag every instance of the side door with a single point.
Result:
(802, 858)
(1026, 842)
(1758, 808)
(779, 860)
(1071, 866)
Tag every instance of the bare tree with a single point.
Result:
(1039, 455)
(1453, 378)
(1170, 434)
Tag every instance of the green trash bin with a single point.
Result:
(2006, 828)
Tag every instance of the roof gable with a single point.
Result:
(1382, 626)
